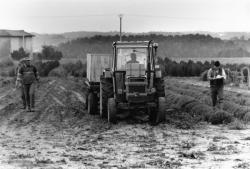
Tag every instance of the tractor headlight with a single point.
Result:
(119, 91)
(158, 71)
(107, 74)
(158, 74)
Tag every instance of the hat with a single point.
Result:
(217, 63)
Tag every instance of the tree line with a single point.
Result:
(48, 53)
(183, 69)
(191, 68)
(47, 63)
(171, 46)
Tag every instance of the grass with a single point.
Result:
(221, 117)
(182, 120)
(246, 117)
(237, 125)
(6, 62)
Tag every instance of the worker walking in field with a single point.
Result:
(216, 75)
(27, 76)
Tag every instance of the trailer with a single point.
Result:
(96, 64)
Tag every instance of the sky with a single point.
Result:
(57, 16)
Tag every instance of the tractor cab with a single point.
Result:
(133, 67)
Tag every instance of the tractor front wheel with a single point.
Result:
(152, 115)
(111, 110)
(157, 115)
(161, 110)
(159, 85)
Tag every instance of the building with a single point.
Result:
(11, 40)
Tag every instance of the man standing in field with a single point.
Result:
(27, 76)
(217, 76)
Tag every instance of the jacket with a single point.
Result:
(27, 74)
(213, 73)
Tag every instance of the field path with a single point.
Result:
(60, 134)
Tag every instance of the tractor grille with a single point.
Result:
(138, 89)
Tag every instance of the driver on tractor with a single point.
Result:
(133, 58)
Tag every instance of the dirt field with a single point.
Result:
(61, 135)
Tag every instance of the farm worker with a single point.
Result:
(19, 83)
(133, 58)
(216, 75)
(28, 75)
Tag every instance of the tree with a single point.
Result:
(46, 67)
(19, 54)
(49, 53)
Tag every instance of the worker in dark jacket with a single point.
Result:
(217, 76)
(28, 75)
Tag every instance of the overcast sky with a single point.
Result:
(56, 16)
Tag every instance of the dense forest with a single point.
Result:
(171, 46)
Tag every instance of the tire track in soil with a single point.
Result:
(134, 146)
(17, 121)
(21, 118)
(4, 98)
(92, 134)
(54, 104)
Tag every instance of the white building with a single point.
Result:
(11, 40)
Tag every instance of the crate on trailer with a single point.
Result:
(96, 64)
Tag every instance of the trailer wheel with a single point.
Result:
(86, 102)
(111, 110)
(106, 92)
(161, 110)
(92, 103)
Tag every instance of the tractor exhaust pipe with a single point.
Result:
(120, 16)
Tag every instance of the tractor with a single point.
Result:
(133, 83)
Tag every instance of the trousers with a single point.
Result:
(217, 94)
(28, 95)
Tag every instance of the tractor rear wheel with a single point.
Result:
(157, 115)
(106, 92)
(92, 103)
(159, 85)
(111, 110)
(152, 115)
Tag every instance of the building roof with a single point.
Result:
(14, 33)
